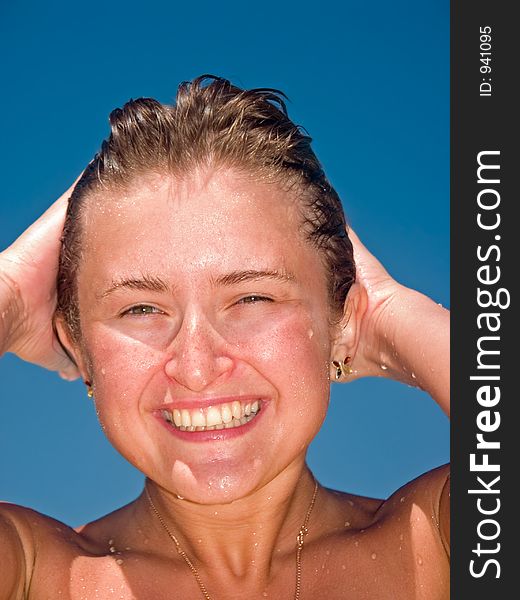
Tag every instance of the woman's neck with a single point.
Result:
(233, 537)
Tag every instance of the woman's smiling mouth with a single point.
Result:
(227, 415)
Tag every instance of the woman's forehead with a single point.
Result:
(212, 197)
(200, 222)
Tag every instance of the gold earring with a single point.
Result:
(342, 367)
(90, 391)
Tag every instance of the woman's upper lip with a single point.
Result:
(200, 402)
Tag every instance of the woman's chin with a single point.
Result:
(216, 482)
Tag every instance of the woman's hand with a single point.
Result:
(404, 335)
(28, 270)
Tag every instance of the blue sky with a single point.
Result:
(368, 80)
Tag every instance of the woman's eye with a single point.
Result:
(142, 309)
(253, 299)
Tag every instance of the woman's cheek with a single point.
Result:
(121, 365)
(292, 353)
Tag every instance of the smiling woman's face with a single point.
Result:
(205, 331)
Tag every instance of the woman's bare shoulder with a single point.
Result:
(26, 533)
(27, 530)
(428, 494)
(377, 538)
(22, 532)
(425, 499)
(38, 552)
(422, 506)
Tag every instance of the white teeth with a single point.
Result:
(197, 418)
(186, 419)
(223, 416)
(236, 409)
(213, 416)
(227, 415)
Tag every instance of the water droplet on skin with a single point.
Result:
(119, 561)
(112, 549)
(356, 543)
(350, 502)
(401, 537)
(384, 367)
(182, 498)
(403, 498)
(413, 375)
(343, 567)
(264, 594)
(103, 372)
(419, 560)
(347, 523)
(373, 556)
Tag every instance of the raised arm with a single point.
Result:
(404, 335)
(28, 271)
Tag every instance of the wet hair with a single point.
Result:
(212, 124)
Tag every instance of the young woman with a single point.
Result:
(201, 281)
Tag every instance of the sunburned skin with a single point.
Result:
(207, 337)
(356, 548)
(188, 309)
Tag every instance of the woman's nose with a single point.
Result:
(198, 355)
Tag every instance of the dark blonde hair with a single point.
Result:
(212, 124)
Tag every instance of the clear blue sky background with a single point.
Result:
(368, 80)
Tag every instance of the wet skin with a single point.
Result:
(357, 548)
(202, 293)
(205, 330)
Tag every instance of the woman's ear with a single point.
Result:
(70, 347)
(348, 330)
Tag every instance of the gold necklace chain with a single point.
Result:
(300, 539)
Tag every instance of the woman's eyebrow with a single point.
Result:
(149, 283)
(254, 275)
